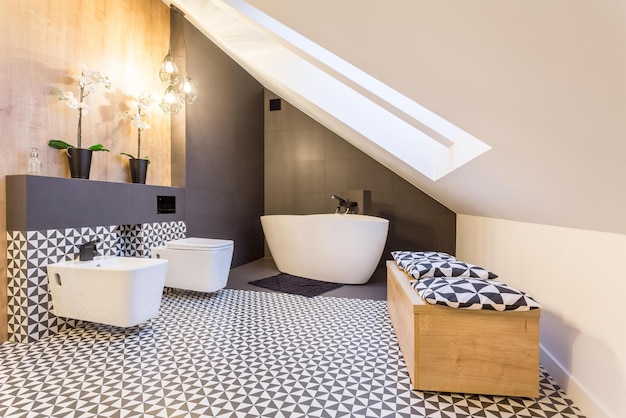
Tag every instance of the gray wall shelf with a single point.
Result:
(39, 203)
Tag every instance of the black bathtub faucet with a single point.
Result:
(344, 203)
(87, 250)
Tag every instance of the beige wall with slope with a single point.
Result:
(542, 82)
(43, 44)
(578, 278)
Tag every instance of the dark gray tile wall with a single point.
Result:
(223, 172)
(305, 163)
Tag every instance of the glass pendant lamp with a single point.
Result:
(174, 98)
(187, 92)
(170, 103)
(169, 71)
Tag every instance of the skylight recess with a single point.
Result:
(317, 81)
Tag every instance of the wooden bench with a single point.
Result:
(460, 350)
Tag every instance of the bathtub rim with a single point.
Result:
(347, 216)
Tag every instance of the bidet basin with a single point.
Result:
(119, 291)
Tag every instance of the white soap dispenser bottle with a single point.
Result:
(34, 165)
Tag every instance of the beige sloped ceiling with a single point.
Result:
(542, 84)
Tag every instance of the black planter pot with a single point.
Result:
(80, 162)
(138, 170)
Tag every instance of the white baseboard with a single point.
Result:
(587, 404)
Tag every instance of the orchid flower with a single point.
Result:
(144, 101)
(88, 81)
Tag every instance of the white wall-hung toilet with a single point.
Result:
(200, 264)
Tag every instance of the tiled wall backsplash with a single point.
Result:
(29, 252)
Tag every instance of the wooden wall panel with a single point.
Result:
(44, 43)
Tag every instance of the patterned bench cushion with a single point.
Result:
(407, 260)
(473, 293)
(453, 268)
(421, 264)
(408, 257)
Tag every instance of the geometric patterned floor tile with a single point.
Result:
(238, 353)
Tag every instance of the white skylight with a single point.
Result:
(331, 90)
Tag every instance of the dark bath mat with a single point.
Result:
(295, 285)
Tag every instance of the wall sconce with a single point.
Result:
(173, 99)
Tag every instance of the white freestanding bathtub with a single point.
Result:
(338, 248)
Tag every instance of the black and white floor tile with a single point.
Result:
(238, 353)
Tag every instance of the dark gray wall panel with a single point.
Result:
(247, 241)
(212, 213)
(224, 151)
(305, 163)
(40, 203)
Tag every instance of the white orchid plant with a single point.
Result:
(145, 102)
(88, 81)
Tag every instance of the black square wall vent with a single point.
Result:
(274, 104)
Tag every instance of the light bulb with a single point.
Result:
(187, 91)
(170, 102)
(169, 71)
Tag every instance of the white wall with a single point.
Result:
(578, 277)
